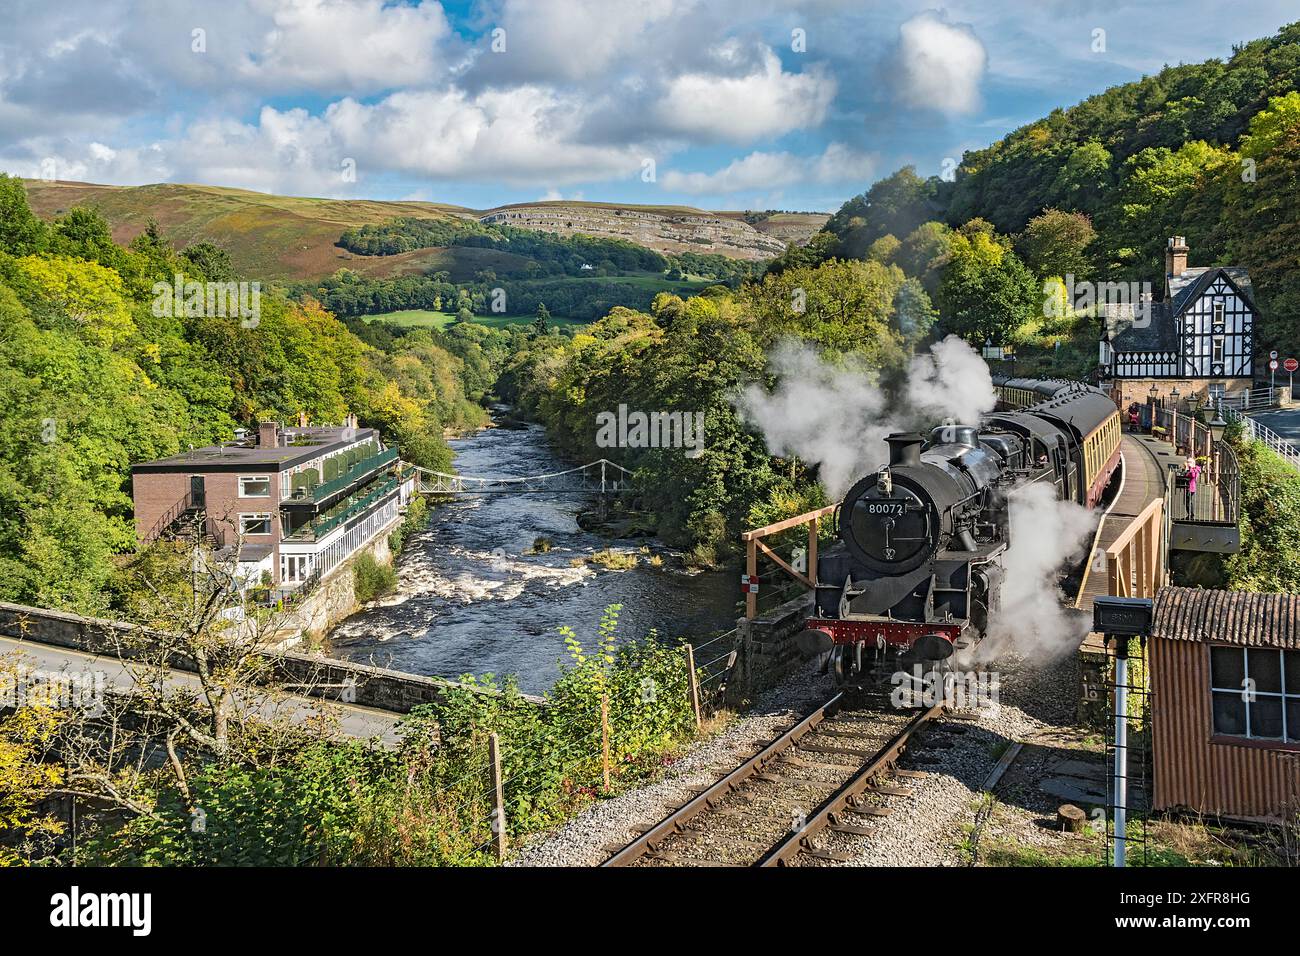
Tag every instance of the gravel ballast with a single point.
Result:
(926, 828)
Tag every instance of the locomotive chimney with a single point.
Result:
(904, 448)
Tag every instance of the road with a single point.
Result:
(1284, 421)
(353, 721)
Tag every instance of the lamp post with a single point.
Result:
(1217, 427)
(1173, 417)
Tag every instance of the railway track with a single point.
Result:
(827, 775)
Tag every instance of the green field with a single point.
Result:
(417, 318)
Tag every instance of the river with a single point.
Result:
(472, 600)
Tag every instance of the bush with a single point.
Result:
(371, 579)
(416, 520)
(429, 803)
(612, 560)
(1269, 559)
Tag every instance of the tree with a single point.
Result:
(987, 293)
(21, 233)
(542, 324)
(1056, 244)
(896, 204)
(913, 313)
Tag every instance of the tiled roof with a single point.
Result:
(1155, 333)
(1185, 287)
(1228, 617)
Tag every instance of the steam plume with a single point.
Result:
(1045, 533)
(837, 417)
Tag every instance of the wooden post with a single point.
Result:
(751, 569)
(812, 551)
(604, 738)
(498, 797)
(693, 683)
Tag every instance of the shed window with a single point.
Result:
(1255, 693)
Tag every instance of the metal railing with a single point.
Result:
(1283, 447)
(344, 511)
(353, 474)
(1189, 436)
(1217, 497)
(1252, 400)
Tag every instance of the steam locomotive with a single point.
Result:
(918, 567)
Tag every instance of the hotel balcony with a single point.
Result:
(318, 498)
(342, 510)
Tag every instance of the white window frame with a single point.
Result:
(266, 478)
(1248, 694)
(1219, 311)
(257, 516)
(1217, 350)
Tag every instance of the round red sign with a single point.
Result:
(1291, 365)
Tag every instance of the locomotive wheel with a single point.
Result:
(841, 665)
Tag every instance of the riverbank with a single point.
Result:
(476, 594)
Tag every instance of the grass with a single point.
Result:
(1169, 842)
(612, 560)
(428, 318)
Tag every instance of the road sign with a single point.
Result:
(1273, 354)
(1291, 365)
(1273, 365)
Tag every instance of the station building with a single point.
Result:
(292, 504)
(1197, 341)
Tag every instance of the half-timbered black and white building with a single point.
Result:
(1199, 338)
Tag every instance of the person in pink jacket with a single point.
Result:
(1193, 473)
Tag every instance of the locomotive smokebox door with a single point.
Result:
(1125, 617)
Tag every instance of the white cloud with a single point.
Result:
(96, 163)
(572, 39)
(764, 101)
(520, 137)
(940, 64)
(759, 170)
(348, 47)
(356, 44)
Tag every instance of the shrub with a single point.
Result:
(371, 579)
(612, 560)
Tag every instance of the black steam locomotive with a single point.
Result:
(918, 568)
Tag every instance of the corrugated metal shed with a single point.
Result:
(1228, 617)
(1194, 768)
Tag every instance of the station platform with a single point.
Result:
(1144, 482)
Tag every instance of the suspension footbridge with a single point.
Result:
(599, 477)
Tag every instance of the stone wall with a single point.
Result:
(318, 675)
(767, 651)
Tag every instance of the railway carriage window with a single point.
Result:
(1256, 693)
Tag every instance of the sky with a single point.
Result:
(717, 104)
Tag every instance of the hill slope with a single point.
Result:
(293, 238)
(1209, 151)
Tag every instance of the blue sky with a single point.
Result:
(710, 103)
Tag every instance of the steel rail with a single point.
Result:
(800, 840)
(676, 821)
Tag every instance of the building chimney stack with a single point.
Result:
(1176, 256)
(268, 434)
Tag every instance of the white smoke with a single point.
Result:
(951, 382)
(1045, 533)
(837, 417)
